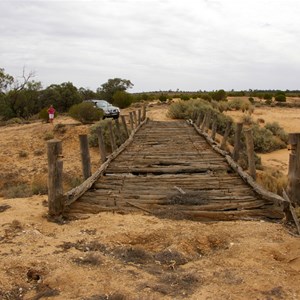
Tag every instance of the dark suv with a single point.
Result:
(109, 110)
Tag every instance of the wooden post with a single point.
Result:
(214, 129)
(139, 116)
(101, 144)
(118, 130)
(144, 113)
(207, 121)
(131, 121)
(112, 137)
(198, 121)
(250, 152)
(226, 135)
(237, 142)
(135, 119)
(85, 156)
(125, 126)
(203, 122)
(293, 188)
(55, 170)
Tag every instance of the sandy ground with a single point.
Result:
(134, 256)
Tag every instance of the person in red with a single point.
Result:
(51, 112)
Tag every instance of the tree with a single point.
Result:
(6, 80)
(62, 96)
(107, 90)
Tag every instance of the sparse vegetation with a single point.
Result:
(20, 190)
(85, 112)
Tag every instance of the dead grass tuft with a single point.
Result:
(90, 259)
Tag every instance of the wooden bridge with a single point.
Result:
(170, 169)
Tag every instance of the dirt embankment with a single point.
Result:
(134, 256)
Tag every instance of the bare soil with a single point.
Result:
(133, 256)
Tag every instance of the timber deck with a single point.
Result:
(169, 170)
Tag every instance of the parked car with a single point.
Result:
(109, 110)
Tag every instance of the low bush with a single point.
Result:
(280, 98)
(103, 124)
(122, 99)
(240, 104)
(39, 185)
(85, 112)
(278, 131)
(265, 141)
(21, 190)
(272, 180)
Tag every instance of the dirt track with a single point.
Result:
(134, 256)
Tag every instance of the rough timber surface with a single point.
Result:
(170, 171)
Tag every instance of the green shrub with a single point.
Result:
(280, 98)
(268, 96)
(122, 99)
(163, 97)
(278, 131)
(265, 141)
(251, 99)
(48, 136)
(14, 121)
(17, 191)
(93, 137)
(178, 110)
(223, 106)
(240, 104)
(85, 112)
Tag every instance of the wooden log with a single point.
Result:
(250, 152)
(293, 188)
(237, 142)
(55, 170)
(131, 121)
(85, 156)
(112, 137)
(226, 135)
(101, 144)
(125, 126)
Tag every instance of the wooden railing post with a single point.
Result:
(101, 144)
(135, 119)
(125, 126)
(293, 188)
(144, 113)
(112, 137)
(118, 130)
(214, 129)
(250, 152)
(55, 182)
(237, 141)
(207, 121)
(85, 156)
(131, 121)
(139, 116)
(226, 135)
(198, 120)
(203, 122)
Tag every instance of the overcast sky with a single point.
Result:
(157, 44)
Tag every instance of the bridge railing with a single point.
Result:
(56, 197)
(206, 125)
